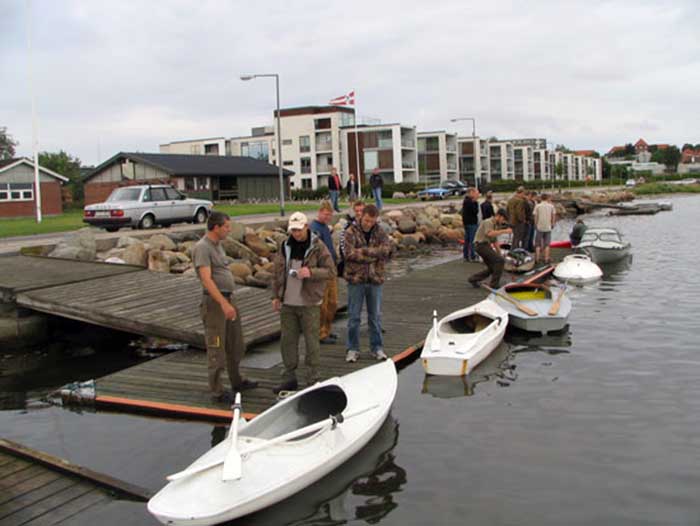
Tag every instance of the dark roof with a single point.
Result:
(7, 162)
(181, 164)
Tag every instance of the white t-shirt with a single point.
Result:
(544, 216)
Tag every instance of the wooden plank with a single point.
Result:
(48, 505)
(30, 485)
(30, 498)
(15, 464)
(70, 509)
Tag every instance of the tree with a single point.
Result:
(66, 165)
(562, 148)
(670, 157)
(687, 146)
(629, 149)
(559, 170)
(7, 144)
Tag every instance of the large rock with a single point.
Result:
(398, 195)
(180, 268)
(451, 220)
(264, 276)
(238, 250)
(126, 241)
(449, 235)
(240, 270)
(432, 211)
(158, 261)
(396, 215)
(77, 245)
(257, 245)
(407, 226)
(186, 247)
(237, 231)
(136, 254)
(254, 282)
(162, 242)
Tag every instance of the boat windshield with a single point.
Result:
(602, 236)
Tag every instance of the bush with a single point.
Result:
(661, 188)
(309, 194)
(389, 189)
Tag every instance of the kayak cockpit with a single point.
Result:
(301, 411)
(469, 324)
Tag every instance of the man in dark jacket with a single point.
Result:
(470, 219)
(487, 246)
(517, 212)
(334, 187)
(367, 249)
(377, 184)
(319, 226)
(487, 206)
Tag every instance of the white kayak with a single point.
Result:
(283, 450)
(578, 269)
(460, 341)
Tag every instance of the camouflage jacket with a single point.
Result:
(364, 263)
(319, 261)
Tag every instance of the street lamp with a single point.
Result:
(279, 132)
(477, 175)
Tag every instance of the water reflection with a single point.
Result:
(363, 488)
(557, 339)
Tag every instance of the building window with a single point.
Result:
(287, 142)
(202, 183)
(211, 149)
(256, 150)
(306, 183)
(189, 184)
(287, 163)
(304, 144)
(16, 192)
(305, 165)
(371, 161)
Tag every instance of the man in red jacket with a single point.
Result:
(334, 187)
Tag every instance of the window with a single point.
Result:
(287, 163)
(202, 183)
(304, 144)
(16, 192)
(172, 194)
(211, 149)
(287, 142)
(256, 150)
(154, 194)
(306, 183)
(305, 165)
(125, 194)
(371, 161)
(189, 184)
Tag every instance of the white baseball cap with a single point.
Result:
(297, 221)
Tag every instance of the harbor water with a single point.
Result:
(598, 425)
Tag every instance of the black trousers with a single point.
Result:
(494, 265)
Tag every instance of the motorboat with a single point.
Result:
(288, 447)
(534, 307)
(461, 340)
(578, 269)
(603, 245)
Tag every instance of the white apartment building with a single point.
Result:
(543, 162)
(473, 160)
(208, 146)
(524, 163)
(437, 157)
(501, 161)
(389, 147)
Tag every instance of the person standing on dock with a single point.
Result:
(367, 249)
(531, 202)
(486, 241)
(352, 188)
(334, 188)
(222, 322)
(487, 206)
(377, 184)
(319, 226)
(545, 217)
(302, 269)
(517, 211)
(470, 220)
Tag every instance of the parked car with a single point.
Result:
(446, 189)
(144, 207)
(630, 183)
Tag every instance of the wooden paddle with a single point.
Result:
(232, 462)
(330, 421)
(557, 302)
(523, 308)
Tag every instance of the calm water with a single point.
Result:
(597, 426)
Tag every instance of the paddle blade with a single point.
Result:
(232, 463)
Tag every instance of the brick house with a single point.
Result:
(17, 190)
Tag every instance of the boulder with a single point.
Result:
(407, 226)
(162, 242)
(186, 247)
(125, 241)
(257, 245)
(136, 254)
(77, 245)
(182, 257)
(238, 250)
(432, 211)
(171, 256)
(190, 272)
(158, 261)
(396, 215)
(449, 235)
(240, 270)
(237, 231)
(254, 282)
(408, 240)
(114, 260)
(398, 195)
(450, 219)
(239, 280)
(264, 276)
(179, 268)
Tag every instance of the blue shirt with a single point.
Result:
(322, 231)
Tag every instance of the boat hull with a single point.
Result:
(603, 255)
(275, 473)
(456, 354)
(578, 269)
(542, 322)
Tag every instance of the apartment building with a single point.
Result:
(501, 161)
(536, 144)
(392, 148)
(437, 157)
(473, 160)
(543, 164)
(207, 146)
(523, 163)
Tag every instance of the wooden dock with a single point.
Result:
(37, 489)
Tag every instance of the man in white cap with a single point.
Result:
(302, 268)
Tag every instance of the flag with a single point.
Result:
(345, 100)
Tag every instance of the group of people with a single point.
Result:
(529, 217)
(335, 186)
(304, 291)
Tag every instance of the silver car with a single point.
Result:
(146, 206)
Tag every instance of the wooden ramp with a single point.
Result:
(176, 383)
(39, 489)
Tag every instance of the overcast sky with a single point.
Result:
(126, 75)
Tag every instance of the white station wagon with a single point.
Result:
(146, 206)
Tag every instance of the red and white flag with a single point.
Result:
(345, 100)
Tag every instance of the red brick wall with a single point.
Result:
(50, 203)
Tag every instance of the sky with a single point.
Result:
(125, 75)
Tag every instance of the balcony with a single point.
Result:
(408, 165)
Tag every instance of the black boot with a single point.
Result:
(289, 385)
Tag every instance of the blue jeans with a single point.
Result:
(377, 193)
(334, 199)
(357, 295)
(468, 248)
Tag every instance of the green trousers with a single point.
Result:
(294, 322)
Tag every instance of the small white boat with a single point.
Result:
(603, 245)
(578, 269)
(460, 341)
(534, 307)
(283, 450)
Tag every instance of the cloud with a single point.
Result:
(131, 75)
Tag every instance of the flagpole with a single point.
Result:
(357, 150)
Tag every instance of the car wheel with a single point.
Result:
(201, 216)
(112, 228)
(148, 221)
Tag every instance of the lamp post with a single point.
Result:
(279, 132)
(477, 175)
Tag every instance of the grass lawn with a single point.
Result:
(73, 219)
(665, 188)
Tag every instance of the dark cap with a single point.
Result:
(503, 213)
